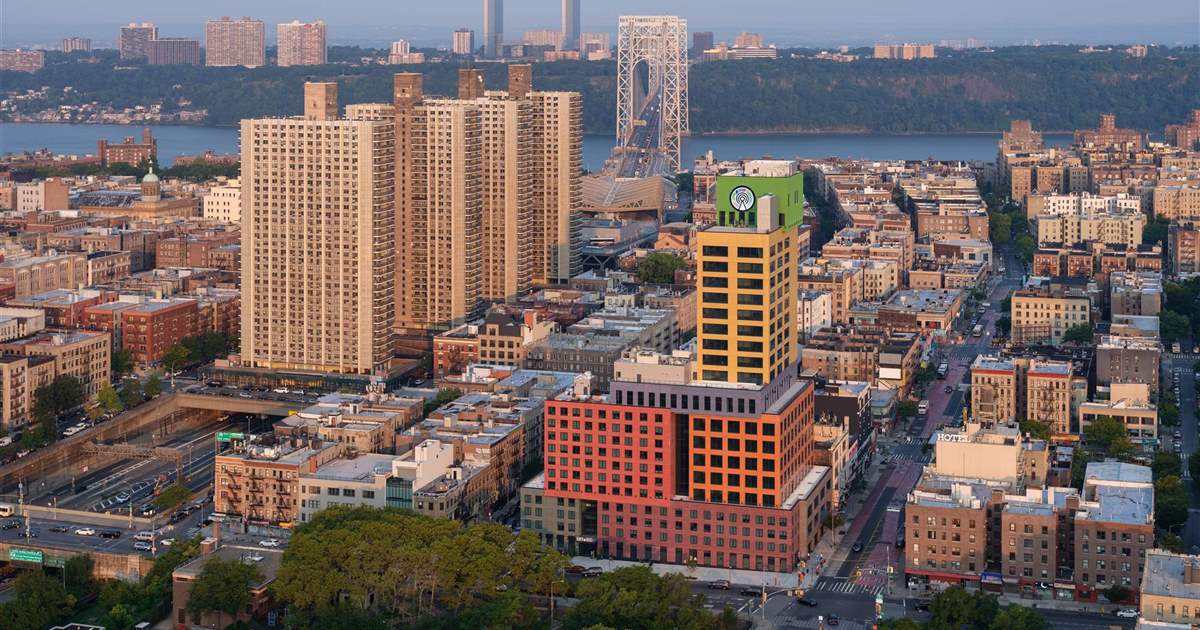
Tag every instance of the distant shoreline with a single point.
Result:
(699, 134)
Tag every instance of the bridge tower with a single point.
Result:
(659, 41)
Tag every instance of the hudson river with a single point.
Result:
(176, 140)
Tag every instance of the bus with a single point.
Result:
(977, 331)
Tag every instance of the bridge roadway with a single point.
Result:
(172, 413)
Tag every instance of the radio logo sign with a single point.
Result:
(741, 198)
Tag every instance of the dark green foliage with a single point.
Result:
(1036, 429)
(1155, 232)
(1116, 593)
(637, 599)
(1166, 464)
(956, 609)
(1170, 502)
(659, 268)
(222, 588)
(38, 601)
(1056, 87)
(1078, 334)
(419, 571)
(444, 396)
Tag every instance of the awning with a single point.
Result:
(991, 577)
(935, 575)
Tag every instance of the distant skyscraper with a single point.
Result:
(401, 52)
(701, 41)
(570, 24)
(239, 42)
(72, 44)
(300, 43)
(317, 276)
(748, 40)
(493, 28)
(464, 42)
(133, 39)
(595, 46)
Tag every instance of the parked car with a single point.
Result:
(722, 585)
(593, 572)
(167, 542)
(576, 569)
(1128, 613)
(11, 524)
(144, 536)
(269, 543)
(85, 531)
(142, 546)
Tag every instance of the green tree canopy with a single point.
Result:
(38, 601)
(1171, 502)
(1000, 227)
(153, 386)
(176, 357)
(1172, 326)
(1036, 429)
(1166, 464)
(1104, 431)
(131, 393)
(1018, 618)
(659, 268)
(109, 399)
(1025, 246)
(223, 587)
(122, 362)
(1117, 593)
(1078, 334)
(635, 598)
(955, 608)
(171, 497)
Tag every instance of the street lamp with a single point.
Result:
(552, 599)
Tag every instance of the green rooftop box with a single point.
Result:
(738, 193)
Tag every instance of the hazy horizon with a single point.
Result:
(851, 22)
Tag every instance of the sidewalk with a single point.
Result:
(772, 580)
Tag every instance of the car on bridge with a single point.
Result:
(85, 531)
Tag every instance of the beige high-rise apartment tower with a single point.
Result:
(301, 43)
(439, 208)
(523, 172)
(238, 42)
(318, 234)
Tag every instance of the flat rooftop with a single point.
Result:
(1164, 575)
(361, 468)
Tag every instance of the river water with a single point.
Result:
(174, 140)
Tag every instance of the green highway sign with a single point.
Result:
(56, 562)
(25, 555)
(226, 437)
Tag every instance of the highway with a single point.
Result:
(641, 156)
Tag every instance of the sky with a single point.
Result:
(785, 22)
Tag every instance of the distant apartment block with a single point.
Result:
(1186, 135)
(300, 43)
(76, 44)
(463, 42)
(905, 52)
(134, 39)
(86, 355)
(401, 53)
(128, 150)
(240, 42)
(169, 51)
(22, 60)
(1043, 315)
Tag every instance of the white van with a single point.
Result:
(7, 510)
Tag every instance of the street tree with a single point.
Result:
(109, 400)
(1018, 618)
(223, 587)
(176, 357)
(153, 386)
(659, 268)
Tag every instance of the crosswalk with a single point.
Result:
(843, 585)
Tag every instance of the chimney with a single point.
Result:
(320, 101)
(520, 80)
(470, 83)
(1191, 570)
(209, 545)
